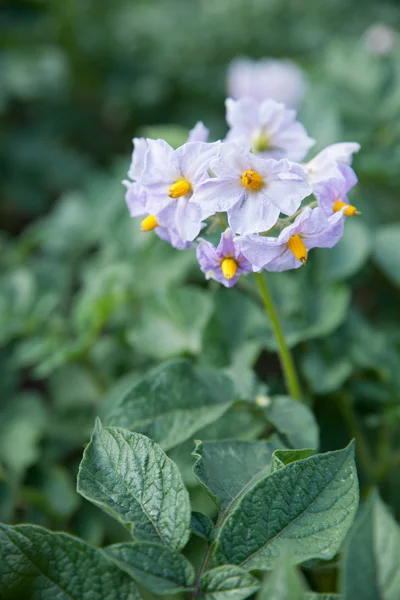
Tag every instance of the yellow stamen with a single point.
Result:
(229, 267)
(149, 223)
(262, 143)
(179, 188)
(296, 245)
(350, 211)
(252, 180)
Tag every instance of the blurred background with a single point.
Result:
(88, 303)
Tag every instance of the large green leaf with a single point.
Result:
(305, 508)
(35, 563)
(284, 583)
(172, 323)
(160, 569)
(387, 251)
(295, 421)
(227, 468)
(228, 582)
(172, 402)
(22, 423)
(371, 566)
(131, 478)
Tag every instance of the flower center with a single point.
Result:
(179, 188)
(350, 211)
(149, 223)
(229, 267)
(252, 180)
(262, 143)
(297, 246)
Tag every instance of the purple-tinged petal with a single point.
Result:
(217, 195)
(135, 198)
(138, 156)
(286, 194)
(281, 80)
(194, 159)
(199, 133)
(188, 219)
(242, 114)
(325, 164)
(252, 214)
(173, 238)
(227, 246)
(161, 164)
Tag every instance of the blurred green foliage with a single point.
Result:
(88, 303)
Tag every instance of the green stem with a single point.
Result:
(287, 364)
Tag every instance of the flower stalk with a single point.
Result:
(285, 357)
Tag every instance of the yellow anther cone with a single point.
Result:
(229, 268)
(149, 223)
(180, 188)
(297, 246)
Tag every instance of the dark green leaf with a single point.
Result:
(371, 567)
(202, 526)
(35, 563)
(227, 468)
(305, 508)
(284, 583)
(172, 402)
(293, 420)
(131, 478)
(160, 569)
(281, 458)
(228, 583)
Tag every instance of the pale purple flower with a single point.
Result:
(211, 259)
(140, 148)
(332, 193)
(281, 80)
(325, 164)
(199, 133)
(172, 237)
(135, 198)
(170, 179)
(267, 128)
(253, 191)
(311, 229)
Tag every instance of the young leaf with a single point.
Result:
(227, 468)
(202, 526)
(305, 508)
(293, 420)
(371, 567)
(35, 563)
(172, 402)
(228, 583)
(281, 458)
(284, 583)
(160, 569)
(131, 478)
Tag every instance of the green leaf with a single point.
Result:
(281, 458)
(160, 569)
(284, 583)
(305, 508)
(131, 478)
(348, 256)
(227, 468)
(387, 251)
(202, 526)
(371, 568)
(22, 424)
(324, 597)
(35, 563)
(228, 583)
(172, 323)
(172, 402)
(295, 421)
